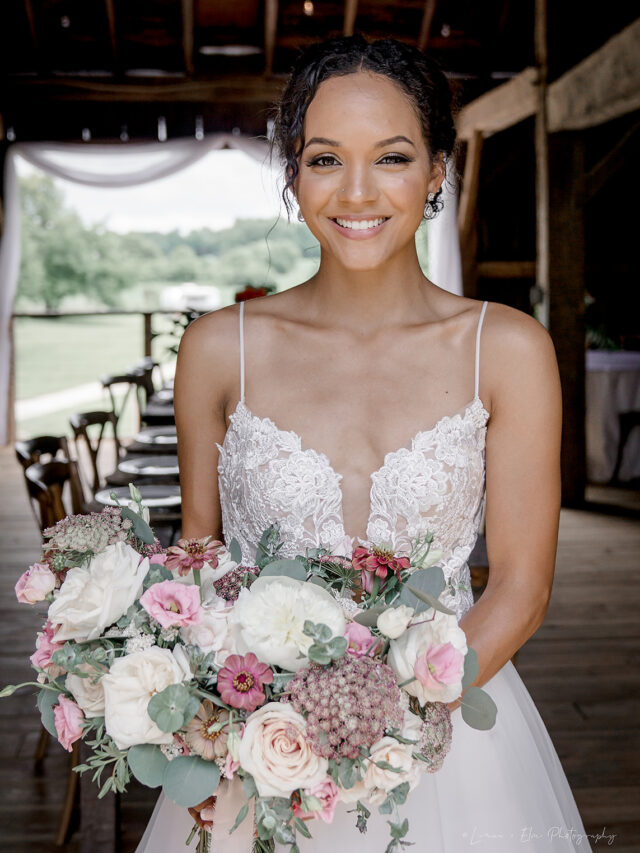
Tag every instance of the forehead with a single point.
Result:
(361, 102)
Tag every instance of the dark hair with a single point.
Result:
(418, 75)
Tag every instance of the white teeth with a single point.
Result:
(360, 224)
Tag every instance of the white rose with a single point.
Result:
(394, 620)
(274, 750)
(129, 685)
(379, 782)
(95, 595)
(438, 628)
(268, 619)
(88, 695)
(212, 633)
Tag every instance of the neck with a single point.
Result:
(393, 294)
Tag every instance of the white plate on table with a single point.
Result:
(152, 496)
(157, 435)
(150, 466)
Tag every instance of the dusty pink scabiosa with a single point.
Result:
(192, 554)
(347, 705)
(206, 734)
(377, 563)
(172, 603)
(241, 679)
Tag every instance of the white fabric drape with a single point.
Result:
(127, 165)
(443, 247)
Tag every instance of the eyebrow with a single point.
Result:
(322, 140)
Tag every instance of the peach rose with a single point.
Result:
(275, 751)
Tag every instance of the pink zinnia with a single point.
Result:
(377, 562)
(172, 603)
(441, 664)
(192, 554)
(241, 679)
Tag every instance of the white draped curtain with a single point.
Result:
(134, 164)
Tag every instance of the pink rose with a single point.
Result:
(68, 719)
(440, 664)
(35, 584)
(327, 793)
(360, 639)
(171, 603)
(45, 647)
(159, 559)
(230, 766)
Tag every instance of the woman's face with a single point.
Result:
(365, 170)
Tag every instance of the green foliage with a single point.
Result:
(189, 780)
(478, 709)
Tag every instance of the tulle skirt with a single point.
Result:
(499, 791)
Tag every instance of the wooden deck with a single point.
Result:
(581, 669)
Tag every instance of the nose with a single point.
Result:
(357, 186)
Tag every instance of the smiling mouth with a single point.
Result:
(360, 224)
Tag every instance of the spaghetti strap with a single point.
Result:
(242, 352)
(484, 308)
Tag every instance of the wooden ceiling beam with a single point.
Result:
(427, 21)
(270, 33)
(188, 35)
(243, 88)
(350, 14)
(113, 37)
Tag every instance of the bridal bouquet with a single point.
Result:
(298, 683)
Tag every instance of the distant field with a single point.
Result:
(55, 354)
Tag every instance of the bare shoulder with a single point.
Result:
(517, 353)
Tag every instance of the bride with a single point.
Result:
(370, 367)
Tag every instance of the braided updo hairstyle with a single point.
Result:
(417, 75)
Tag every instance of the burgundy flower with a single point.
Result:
(192, 554)
(377, 562)
(241, 679)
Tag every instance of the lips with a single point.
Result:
(359, 228)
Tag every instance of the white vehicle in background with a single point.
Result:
(189, 295)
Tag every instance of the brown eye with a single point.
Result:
(323, 160)
(395, 159)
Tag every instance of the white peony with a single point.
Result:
(268, 619)
(394, 621)
(212, 633)
(128, 686)
(436, 629)
(95, 595)
(88, 695)
(274, 750)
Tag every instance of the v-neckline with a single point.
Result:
(462, 413)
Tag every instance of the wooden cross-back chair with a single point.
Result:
(89, 428)
(137, 384)
(50, 448)
(46, 481)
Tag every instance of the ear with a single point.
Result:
(438, 173)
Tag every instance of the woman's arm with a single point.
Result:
(208, 361)
(520, 371)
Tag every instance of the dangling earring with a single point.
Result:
(433, 205)
(300, 216)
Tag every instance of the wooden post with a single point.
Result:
(148, 334)
(566, 301)
(467, 212)
(541, 294)
(12, 432)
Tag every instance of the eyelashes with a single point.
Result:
(328, 160)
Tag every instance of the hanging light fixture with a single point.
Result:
(308, 7)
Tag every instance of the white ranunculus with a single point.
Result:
(96, 594)
(394, 621)
(212, 633)
(129, 685)
(88, 695)
(274, 750)
(436, 629)
(268, 619)
(379, 782)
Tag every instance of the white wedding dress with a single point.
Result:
(498, 790)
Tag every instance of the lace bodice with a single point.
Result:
(436, 484)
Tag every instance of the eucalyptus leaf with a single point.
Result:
(429, 581)
(244, 811)
(287, 568)
(369, 618)
(235, 551)
(337, 647)
(147, 763)
(471, 668)
(318, 581)
(317, 654)
(45, 702)
(424, 597)
(173, 707)
(478, 709)
(140, 526)
(189, 780)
